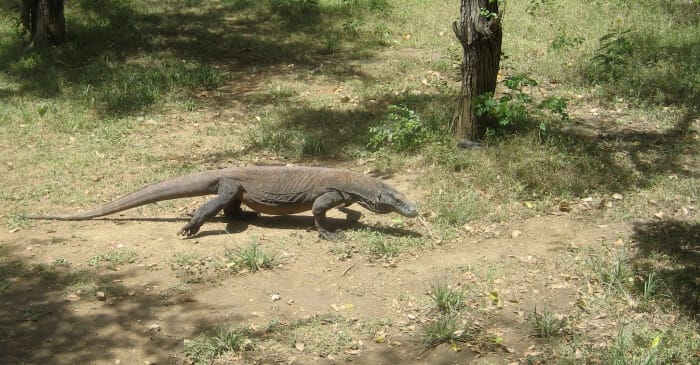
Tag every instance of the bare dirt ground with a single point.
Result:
(148, 312)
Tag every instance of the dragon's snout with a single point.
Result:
(408, 210)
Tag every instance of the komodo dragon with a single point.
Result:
(277, 190)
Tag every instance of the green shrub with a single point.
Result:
(402, 130)
(517, 107)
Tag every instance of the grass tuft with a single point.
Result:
(614, 274)
(206, 347)
(446, 329)
(447, 299)
(547, 324)
(252, 258)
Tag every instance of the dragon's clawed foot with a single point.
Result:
(327, 235)
(189, 230)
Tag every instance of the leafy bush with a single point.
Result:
(614, 48)
(402, 130)
(517, 108)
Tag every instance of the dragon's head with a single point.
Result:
(389, 200)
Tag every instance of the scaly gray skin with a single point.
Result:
(277, 190)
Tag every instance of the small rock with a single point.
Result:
(154, 328)
(101, 296)
(275, 297)
(617, 196)
(564, 207)
(516, 233)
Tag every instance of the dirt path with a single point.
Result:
(148, 311)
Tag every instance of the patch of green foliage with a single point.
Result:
(447, 299)
(546, 324)
(288, 141)
(114, 258)
(647, 66)
(204, 348)
(380, 246)
(401, 130)
(517, 108)
(252, 258)
(446, 329)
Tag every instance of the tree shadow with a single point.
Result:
(680, 242)
(42, 322)
(622, 160)
(127, 50)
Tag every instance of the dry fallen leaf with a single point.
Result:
(380, 337)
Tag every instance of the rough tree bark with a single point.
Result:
(479, 32)
(45, 22)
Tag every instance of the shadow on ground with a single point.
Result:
(40, 323)
(125, 56)
(680, 242)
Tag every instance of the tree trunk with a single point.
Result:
(45, 22)
(479, 32)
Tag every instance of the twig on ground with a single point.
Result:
(430, 232)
